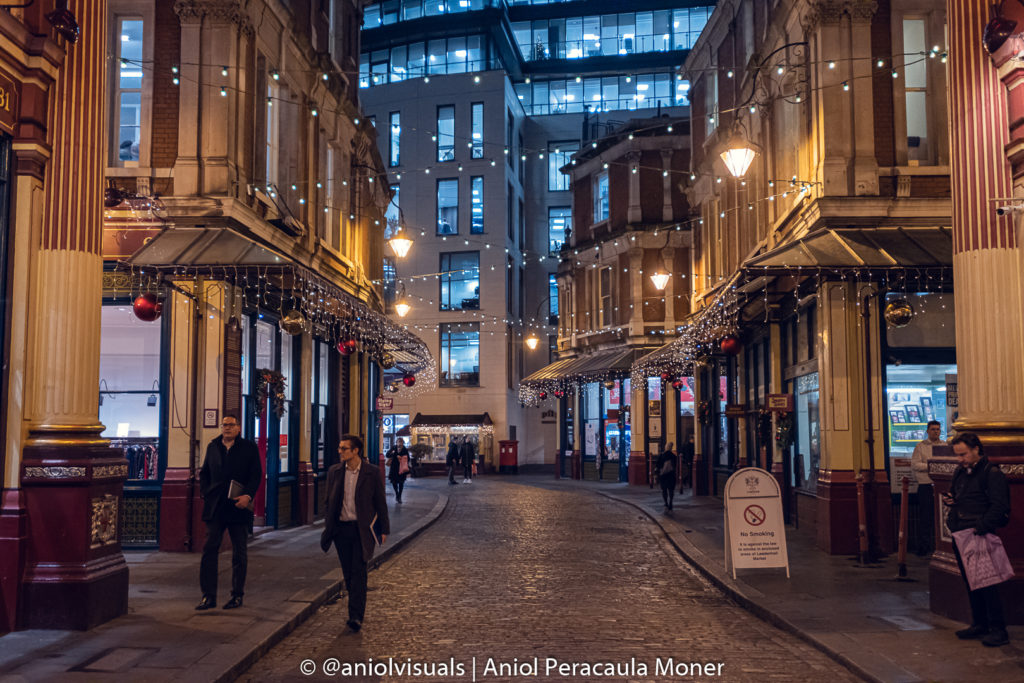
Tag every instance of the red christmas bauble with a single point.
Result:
(409, 380)
(665, 376)
(348, 346)
(678, 384)
(147, 307)
(543, 395)
(559, 393)
(731, 345)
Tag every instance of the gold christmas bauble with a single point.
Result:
(293, 323)
(899, 313)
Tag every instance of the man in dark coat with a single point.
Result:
(467, 454)
(356, 520)
(452, 460)
(230, 459)
(979, 499)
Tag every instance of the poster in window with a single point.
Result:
(654, 408)
(913, 414)
(897, 416)
(926, 408)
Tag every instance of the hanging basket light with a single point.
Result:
(532, 341)
(738, 154)
(402, 308)
(400, 244)
(660, 280)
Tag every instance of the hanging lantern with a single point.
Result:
(292, 323)
(147, 307)
(738, 154)
(730, 345)
(400, 244)
(542, 395)
(660, 280)
(899, 313)
(532, 341)
(387, 361)
(409, 380)
(348, 347)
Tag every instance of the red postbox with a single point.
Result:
(508, 457)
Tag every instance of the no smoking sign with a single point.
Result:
(754, 515)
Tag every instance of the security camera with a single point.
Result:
(1009, 210)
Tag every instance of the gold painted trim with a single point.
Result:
(56, 472)
(104, 521)
(108, 471)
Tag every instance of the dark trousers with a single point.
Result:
(451, 473)
(467, 471)
(668, 488)
(986, 609)
(398, 485)
(239, 534)
(925, 519)
(353, 567)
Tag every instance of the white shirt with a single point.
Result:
(348, 502)
(919, 460)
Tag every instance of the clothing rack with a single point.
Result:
(142, 454)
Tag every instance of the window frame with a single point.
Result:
(476, 183)
(476, 126)
(439, 146)
(437, 207)
(445, 277)
(119, 10)
(444, 352)
(936, 113)
(395, 139)
(557, 151)
(601, 209)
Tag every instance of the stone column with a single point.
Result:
(637, 470)
(987, 279)
(636, 287)
(75, 576)
(307, 491)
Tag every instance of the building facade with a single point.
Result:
(478, 106)
(229, 271)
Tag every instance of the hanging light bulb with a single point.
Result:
(532, 341)
(738, 154)
(402, 308)
(660, 280)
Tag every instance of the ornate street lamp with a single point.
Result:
(738, 154)
(400, 244)
(532, 341)
(660, 280)
(402, 306)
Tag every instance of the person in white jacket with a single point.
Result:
(925, 491)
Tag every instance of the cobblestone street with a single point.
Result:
(512, 572)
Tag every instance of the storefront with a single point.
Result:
(428, 437)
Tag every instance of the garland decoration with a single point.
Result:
(271, 384)
(784, 430)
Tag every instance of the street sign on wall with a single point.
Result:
(782, 403)
(385, 402)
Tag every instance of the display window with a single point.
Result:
(591, 419)
(807, 458)
(392, 425)
(915, 395)
(616, 419)
(130, 398)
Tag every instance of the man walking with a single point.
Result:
(925, 492)
(228, 481)
(468, 456)
(356, 520)
(452, 460)
(979, 499)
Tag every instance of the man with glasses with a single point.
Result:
(356, 520)
(228, 480)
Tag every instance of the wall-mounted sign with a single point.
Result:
(735, 409)
(780, 403)
(385, 402)
(8, 102)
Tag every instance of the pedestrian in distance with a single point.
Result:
(979, 499)
(686, 453)
(397, 462)
(452, 460)
(228, 480)
(356, 520)
(925, 535)
(666, 469)
(467, 454)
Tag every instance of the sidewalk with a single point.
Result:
(162, 638)
(880, 628)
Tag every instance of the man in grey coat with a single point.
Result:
(356, 520)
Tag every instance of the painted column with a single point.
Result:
(76, 576)
(989, 301)
(306, 476)
(638, 435)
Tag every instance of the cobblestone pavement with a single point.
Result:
(510, 573)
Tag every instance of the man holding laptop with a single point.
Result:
(228, 480)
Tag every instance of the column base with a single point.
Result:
(638, 468)
(13, 545)
(837, 522)
(176, 534)
(75, 597)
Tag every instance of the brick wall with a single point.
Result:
(166, 54)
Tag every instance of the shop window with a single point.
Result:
(446, 133)
(128, 82)
(448, 207)
(915, 395)
(286, 442)
(392, 425)
(476, 205)
(592, 418)
(320, 391)
(460, 281)
(460, 354)
(130, 399)
(559, 220)
(807, 443)
(559, 154)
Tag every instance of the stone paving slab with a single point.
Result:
(163, 638)
(829, 601)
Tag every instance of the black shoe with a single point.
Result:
(996, 638)
(234, 602)
(972, 632)
(355, 625)
(206, 603)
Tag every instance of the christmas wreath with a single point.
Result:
(704, 412)
(271, 384)
(784, 430)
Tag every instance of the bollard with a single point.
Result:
(862, 520)
(904, 505)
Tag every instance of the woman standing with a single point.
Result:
(398, 468)
(666, 469)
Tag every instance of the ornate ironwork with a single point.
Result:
(104, 521)
(108, 471)
(55, 472)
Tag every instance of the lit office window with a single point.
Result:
(394, 158)
(552, 298)
(393, 214)
(559, 154)
(559, 220)
(460, 281)
(476, 207)
(601, 197)
(446, 133)
(448, 206)
(460, 354)
(477, 130)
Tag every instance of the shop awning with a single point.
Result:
(217, 246)
(465, 420)
(552, 371)
(611, 362)
(859, 248)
